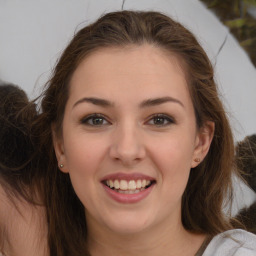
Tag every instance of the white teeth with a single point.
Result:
(123, 185)
(116, 184)
(111, 184)
(130, 191)
(130, 185)
(138, 184)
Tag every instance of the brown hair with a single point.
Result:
(18, 172)
(246, 162)
(209, 183)
(246, 159)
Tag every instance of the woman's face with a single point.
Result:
(130, 138)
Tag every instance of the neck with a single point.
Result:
(160, 240)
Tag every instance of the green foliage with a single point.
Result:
(250, 2)
(237, 23)
(234, 14)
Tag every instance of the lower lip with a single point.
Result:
(128, 198)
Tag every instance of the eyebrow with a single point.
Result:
(158, 101)
(95, 101)
(145, 103)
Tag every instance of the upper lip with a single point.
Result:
(127, 176)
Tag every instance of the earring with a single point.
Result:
(197, 160)
(61, 165)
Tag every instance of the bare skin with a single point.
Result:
(23, 229)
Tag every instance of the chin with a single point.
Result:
(127, 228)
(128, 224)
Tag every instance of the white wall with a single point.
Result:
(33, 34)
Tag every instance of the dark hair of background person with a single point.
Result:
(18, 172)
(209, 183)
(246, 161)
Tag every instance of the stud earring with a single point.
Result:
(197, 160)
(61, 165)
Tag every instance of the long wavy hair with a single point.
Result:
(209, 183)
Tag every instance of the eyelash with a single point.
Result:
(167, 120)
(89, 120)
(86, 120)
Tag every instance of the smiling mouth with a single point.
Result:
(129, 186)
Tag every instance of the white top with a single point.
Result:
(235, 242)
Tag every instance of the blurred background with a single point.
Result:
(34, 33)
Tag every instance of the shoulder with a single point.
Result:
(3, 218)
(3, 205)
(23, 227)
(235, 242)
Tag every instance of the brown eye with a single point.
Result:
(161, 120)
(95, 120)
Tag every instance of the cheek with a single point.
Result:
(84, 152)
(84, 155)
(174, 165)
(173, 158)
(174, 151)
(83, 163)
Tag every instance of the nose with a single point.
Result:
(127, 145)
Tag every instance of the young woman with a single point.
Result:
(23, 229)
(144, 150)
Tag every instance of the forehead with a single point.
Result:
(147, 70)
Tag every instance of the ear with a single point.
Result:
(203, 142)
(59, 150)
